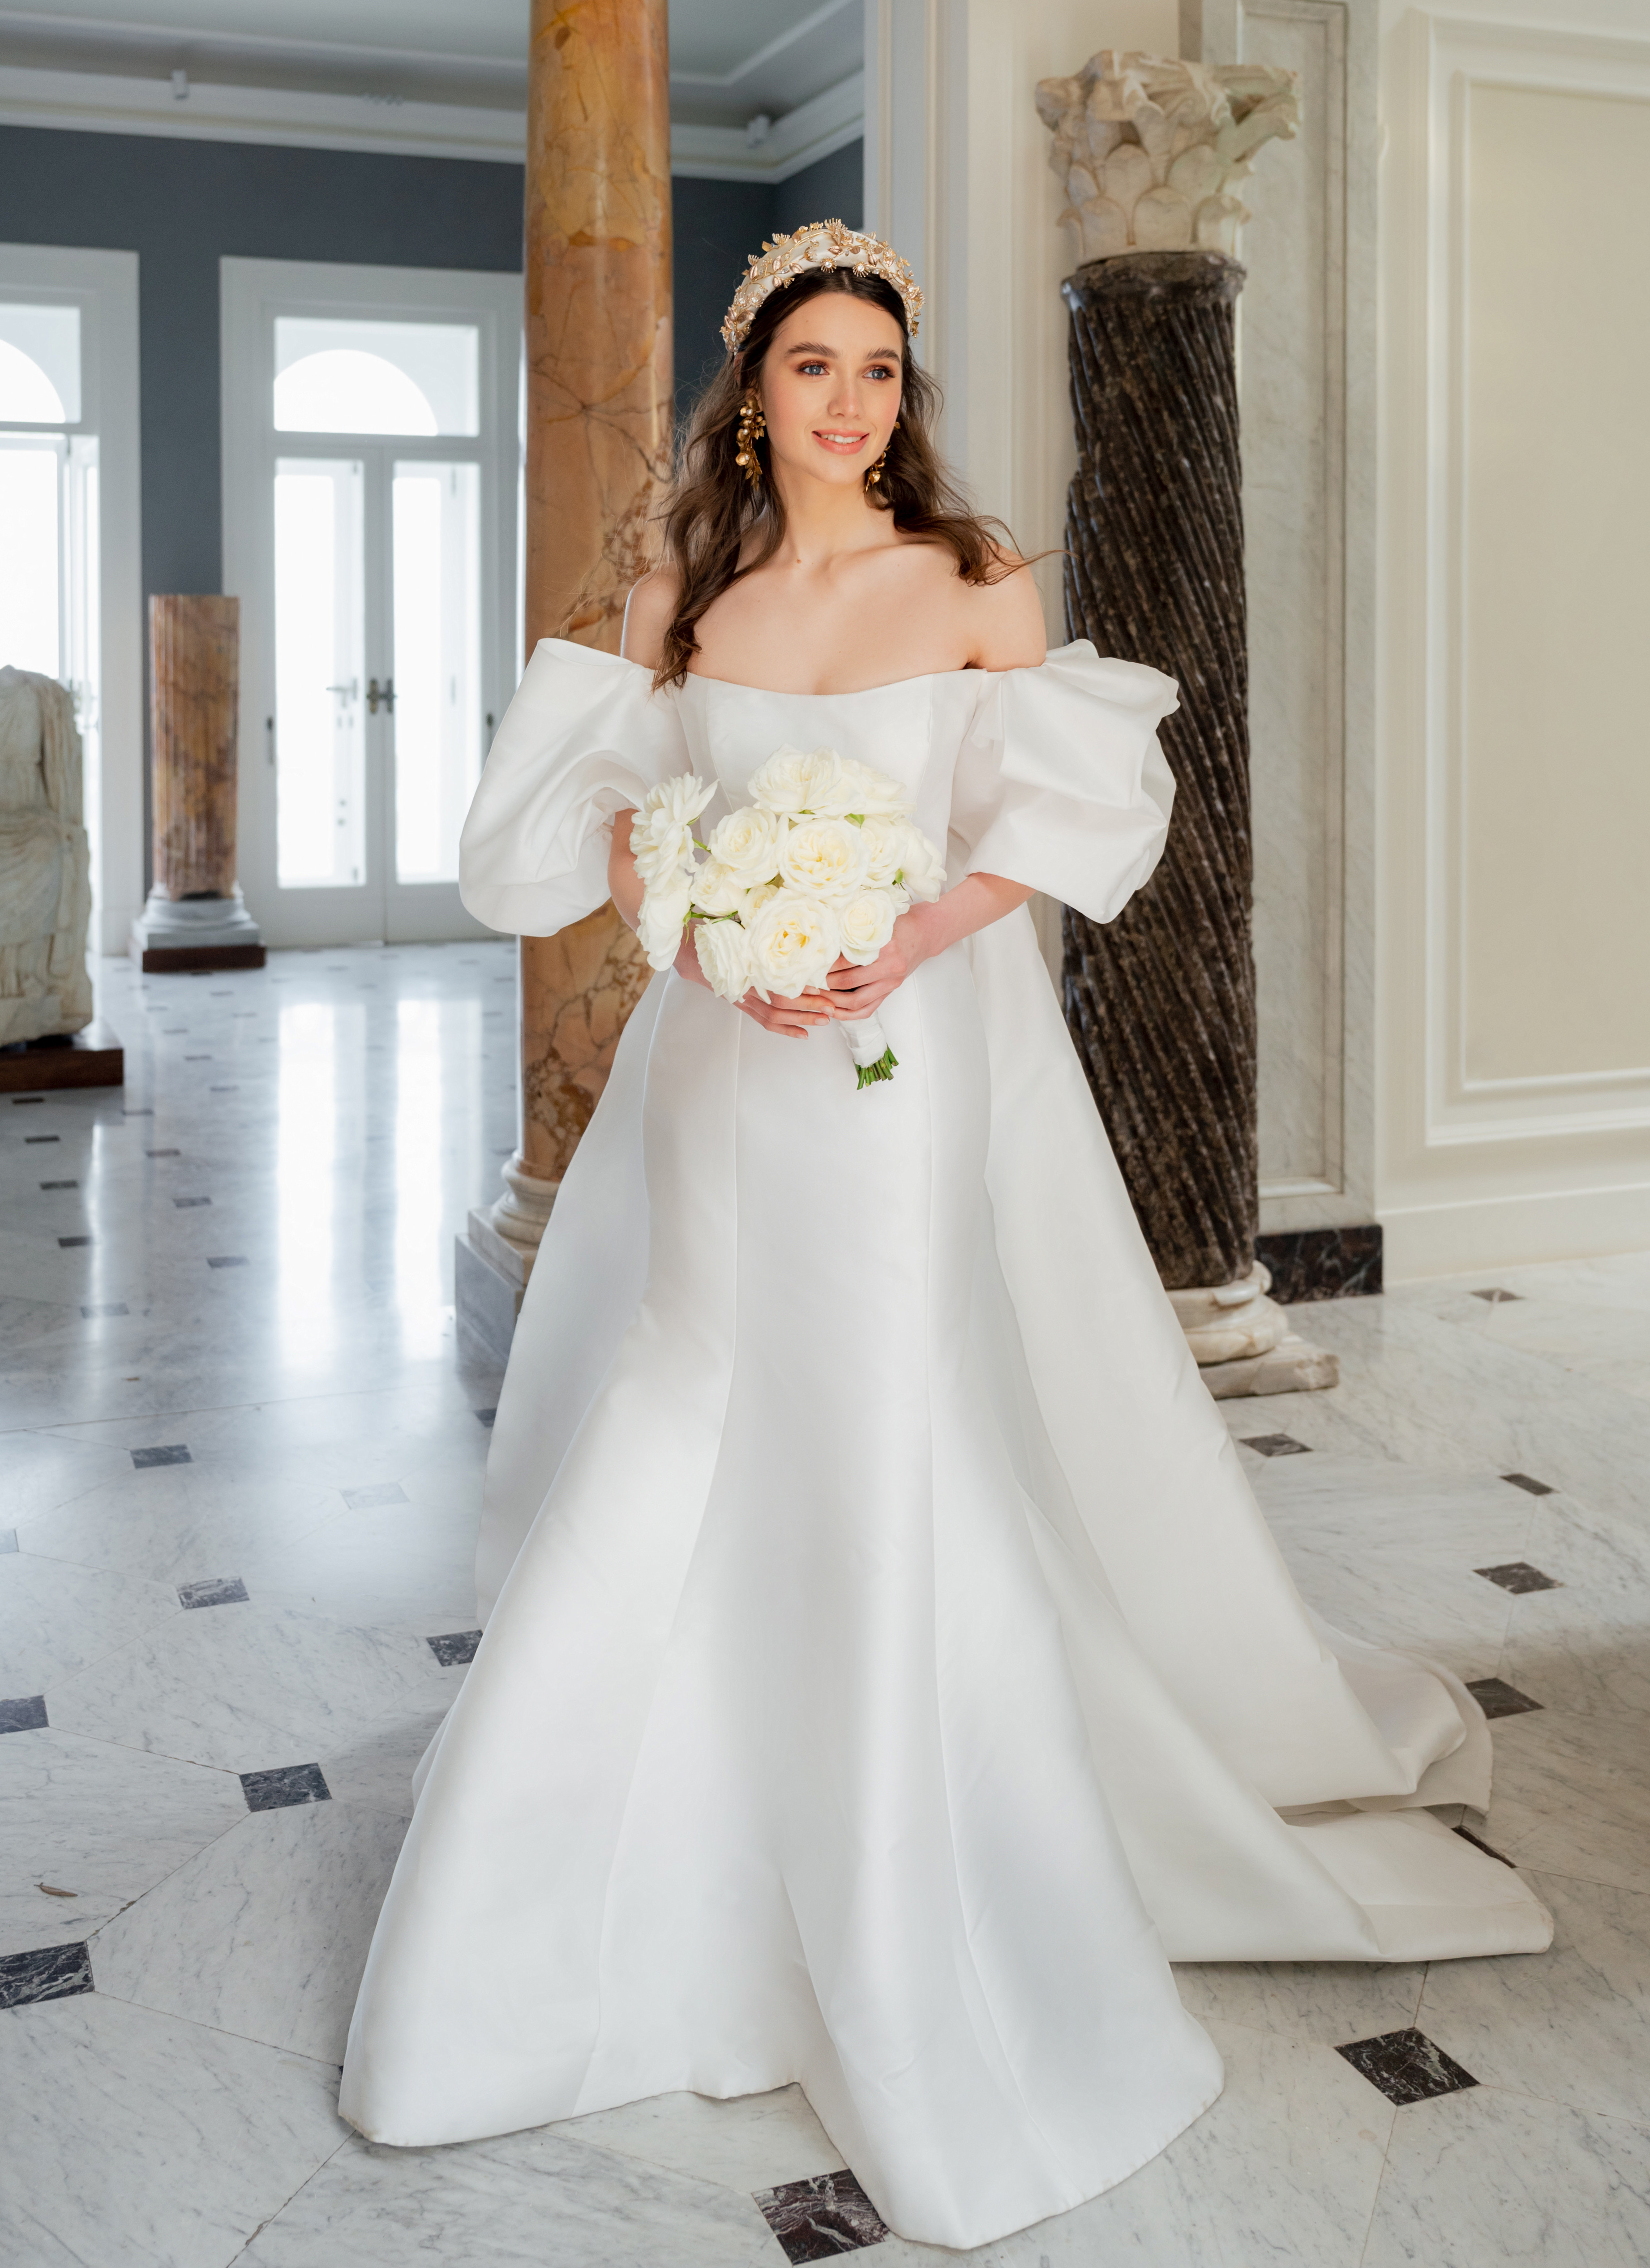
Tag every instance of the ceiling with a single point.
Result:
(730, 59)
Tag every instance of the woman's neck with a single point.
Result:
(824, 522)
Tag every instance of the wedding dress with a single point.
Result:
(887, 1670)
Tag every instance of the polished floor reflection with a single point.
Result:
(240, 1454)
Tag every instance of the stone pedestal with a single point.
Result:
(195, 917)
(600, 419)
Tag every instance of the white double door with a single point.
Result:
(371, 466)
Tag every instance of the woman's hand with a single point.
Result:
(858, 992)
(795, 1019)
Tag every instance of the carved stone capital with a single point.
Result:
(1148, 149)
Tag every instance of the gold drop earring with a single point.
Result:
(752, 426)
(875, 473)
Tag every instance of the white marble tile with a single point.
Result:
(265, 1932)
(519, 2203)
(410, 1564)
(43, 1471)
(1405, 1513)
(249, 1687)
(1487, 2179)
(1281, 2170)
(753, 2142)
(376, 1767)
(1580, 1649)
(105, 1823)
(56, 1619)
(1453, 1617)
(178, 1523)
(136, 2141)
(1573, 2023)
(1571, 1795)
(1327, 2001)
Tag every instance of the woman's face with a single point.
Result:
(830, 387)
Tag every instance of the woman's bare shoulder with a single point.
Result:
(647, 616)
(1004, 617)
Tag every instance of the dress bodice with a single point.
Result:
(1051, 777)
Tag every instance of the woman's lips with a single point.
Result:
(843, 445)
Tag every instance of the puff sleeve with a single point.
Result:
(1061, 782)
(584, 737)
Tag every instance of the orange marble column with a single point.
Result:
(194, 678)
(600, 411)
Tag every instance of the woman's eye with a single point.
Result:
(811, 369)
(879, 370)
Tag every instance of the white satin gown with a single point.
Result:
(887, 1670)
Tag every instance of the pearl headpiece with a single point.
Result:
(823, 244)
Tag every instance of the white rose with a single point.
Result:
(657, 857)
(794, 780)
(664, 910)
(922, 869)
(824, 857)
(717, 890)
(723, 951)
(676, 801)
(869, 794)
(756, 899)
(793, 941)
(747, 843)
(867, 923)
(884, 840)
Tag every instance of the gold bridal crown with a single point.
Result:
(824, 243)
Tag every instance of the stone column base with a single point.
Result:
(1244, 1343)
(1295, 1366)
(182, 933)
(493, 1260)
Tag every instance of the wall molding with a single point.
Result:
(103, 102)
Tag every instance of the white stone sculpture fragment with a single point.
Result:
(1147, 148)
(45, 866)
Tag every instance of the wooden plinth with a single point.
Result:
(174, 960)
(94, 1057)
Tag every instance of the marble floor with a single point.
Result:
(235, 1600)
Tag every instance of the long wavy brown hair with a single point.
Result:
(712, 509)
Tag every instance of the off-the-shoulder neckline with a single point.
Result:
(774, 693)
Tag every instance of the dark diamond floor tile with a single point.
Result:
(1276, 1445)
(1497, 1698)
(27, 1715)
(1524, 1480)
(107, 1307)
(60, 1185)
(213, 1591)
(487, 1416)
(362, 1499)
(228, 1260)
(163, 1153)
(73, 1243)
(171, 1453)
(20, 1101)
(53, 1972)
(820, 2217)
(189, 1205)
(1479, 1843)
(137, 1114)
(1495, 1295)
(33, 1140)
(1518, 1576)
(286, 1784)
(1407, 2067)
(457, 1648)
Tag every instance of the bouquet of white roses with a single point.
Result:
(820, 863)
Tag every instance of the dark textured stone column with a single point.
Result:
(1161, 1001)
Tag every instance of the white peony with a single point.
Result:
(717, 890)
(866, 924)
(725, 955)
(869, 794)
(746, 843)
(922, 869)
(793, 941)
(885, 842)
(824, 857)
(664, 910)
(794, 780)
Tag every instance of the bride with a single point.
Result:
(887, 1670)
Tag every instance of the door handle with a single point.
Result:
(377, 693)
(353, 688)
